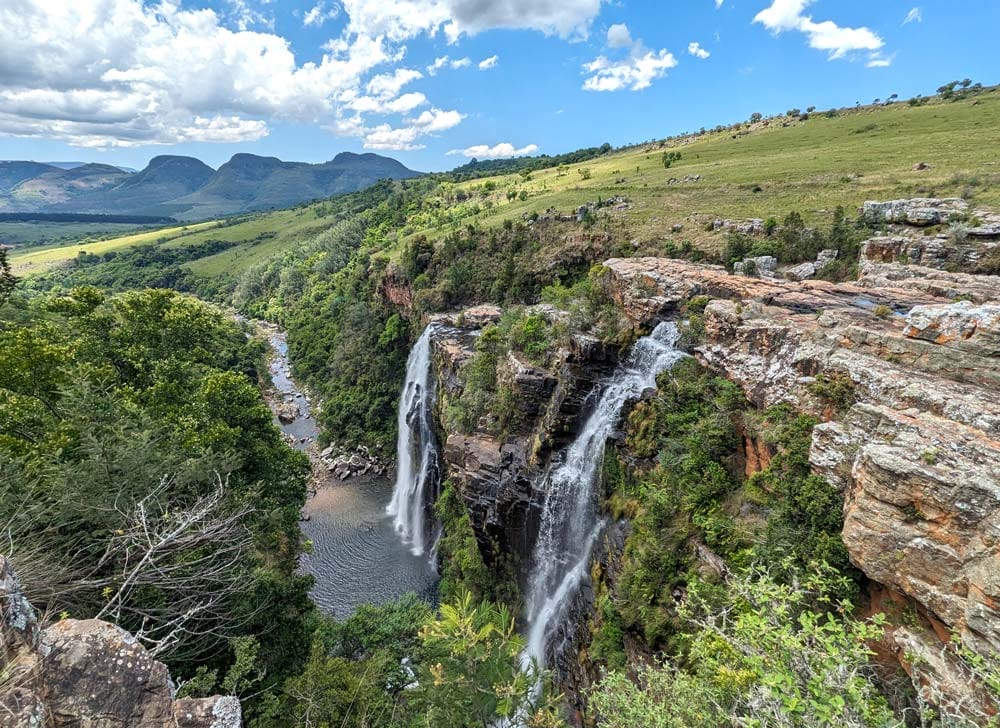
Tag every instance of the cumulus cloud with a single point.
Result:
(121, 73)
(387, 85)
(443, 61)
(786, 15)
(405, 138)
(404, 19)
(697, 51)
(504, 150)
(106, 73)
(635, 72)
(915, 15)
(488, 63)
(619, 36)
(319, 13)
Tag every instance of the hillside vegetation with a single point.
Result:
(765, 169)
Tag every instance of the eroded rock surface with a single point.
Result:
(89, 673)
(917, 451)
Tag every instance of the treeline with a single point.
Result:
(489, 167)
(84, 217)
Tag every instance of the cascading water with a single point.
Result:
(416, 451)
(569, 521)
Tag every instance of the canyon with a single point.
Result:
(911, 442)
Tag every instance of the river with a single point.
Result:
(357, 557)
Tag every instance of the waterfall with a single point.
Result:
(416, 451)
(570, 525)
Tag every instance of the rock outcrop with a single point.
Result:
(494, 472)
(916, 454)
(919, 212)
(88, 673)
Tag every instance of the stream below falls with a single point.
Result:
(357, 556)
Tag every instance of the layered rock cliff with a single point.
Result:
(88, 673)
(913, 445)
(916, 453)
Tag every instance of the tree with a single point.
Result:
(756, 117)
(474, 675)
(770, 654)
(7, 280)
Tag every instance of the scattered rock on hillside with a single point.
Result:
(920, 211)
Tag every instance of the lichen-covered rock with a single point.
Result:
(922, 513)
(931, 251)
(921, 211)
(948, 322)
(929, 281)
(90, 674)
(942, 679)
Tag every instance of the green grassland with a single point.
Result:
(45, 232)
(807, 166)
(33, 260)
(762, 170)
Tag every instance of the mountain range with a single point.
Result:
(186, 188)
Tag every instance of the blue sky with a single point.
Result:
(120, 81)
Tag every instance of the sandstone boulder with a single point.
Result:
(89, 673)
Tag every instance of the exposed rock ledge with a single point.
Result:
(88, 673)
(917, 455)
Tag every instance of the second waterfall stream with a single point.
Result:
(570, 523)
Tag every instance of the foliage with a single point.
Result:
(133, 425)
(463, 570)
(7, 280)
(690, 430)
(763, 652)
(473, 674)
(807, 517)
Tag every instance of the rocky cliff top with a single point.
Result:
(88, 673)
(915, 442)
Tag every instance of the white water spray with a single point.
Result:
(569, 522)
(416, 452)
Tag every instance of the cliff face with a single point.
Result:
(493, 473)
(916, 453)
(88, 673)
(912, 442)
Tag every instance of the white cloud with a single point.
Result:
(697, 51)
(488, 63)
(388, 85)
(405, 138)
(245, 16)
(915, 15)
(636, 72)
(443, 61)
(718, 3)
(320, 13)
(619, 36)
(785, 15)
(877, 60)
(504, 150)
(106, 73)
(404, 19)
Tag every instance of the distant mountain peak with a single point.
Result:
(187, 188)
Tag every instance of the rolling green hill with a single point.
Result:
(761, 170)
